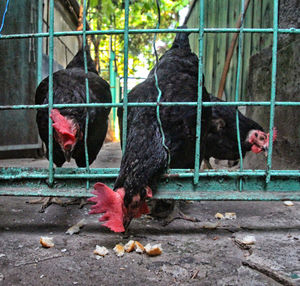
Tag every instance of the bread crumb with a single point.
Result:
(119, 250)
(230, 215)
(129, 246)
(219, 216)
(288, 203)
(46, 242)
(153, 250)
(101, 250)
(139, 248)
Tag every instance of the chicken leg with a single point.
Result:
(169, 210)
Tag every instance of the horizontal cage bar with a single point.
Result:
(145, 31)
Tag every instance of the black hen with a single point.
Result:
(69, 123)
(222, 141)
(145, 158)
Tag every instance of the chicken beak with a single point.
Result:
(67, 155)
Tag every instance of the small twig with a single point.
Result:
(195, 274)
(243, 246)
(275, 275)
(37, 261)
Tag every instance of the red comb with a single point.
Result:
(62, 125)
(109, 203)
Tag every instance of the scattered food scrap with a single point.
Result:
(129, 246)
(288, 203)
(46, 242)
(211, 225)
(219, 216)
(76, 227)
(247, 240)
(139, 248)
(101, 250)
(153, 250)
(119, 250)
(230, 215)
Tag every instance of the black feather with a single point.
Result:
(69, 87)
(145, 159)
(222, 140)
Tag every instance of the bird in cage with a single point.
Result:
(222, 143)
(69, 123)
(153, 144)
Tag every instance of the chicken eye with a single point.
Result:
(255, 134)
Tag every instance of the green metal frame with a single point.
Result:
(193, 184)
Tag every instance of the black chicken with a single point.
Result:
(145, 158)
(222, 141)
(69, 123)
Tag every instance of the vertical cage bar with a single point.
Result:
(237, 87)
(112, 81)
(87, 94)
(39, 43)
(125, 97)
(273, 88)
(199, 100)
(51, 45)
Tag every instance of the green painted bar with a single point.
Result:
(172, 188)
(125, 91)
(237, 89)
(199, 101)
(86, 152)
(141, 31)
(273, 88)
(112, 81)
(166, 194)
(38, 173)
(51, 47)
(39, 43)
(154, 104)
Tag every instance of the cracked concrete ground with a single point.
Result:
(193, 253)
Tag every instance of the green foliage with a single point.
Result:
(110, 14)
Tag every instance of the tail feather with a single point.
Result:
(78, 61)
(182, 39)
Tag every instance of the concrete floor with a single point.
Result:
(193, 253)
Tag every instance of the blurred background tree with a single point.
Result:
(110, 15)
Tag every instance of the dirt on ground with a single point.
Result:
(210, 252)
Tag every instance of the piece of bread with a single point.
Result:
(139, 248)
(129, 246)
(119, 250)
(100, 250)
(46, 242)
(153, 250)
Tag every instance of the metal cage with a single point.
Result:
(268, 184)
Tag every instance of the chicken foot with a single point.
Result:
(169, 211)
(177, 213)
